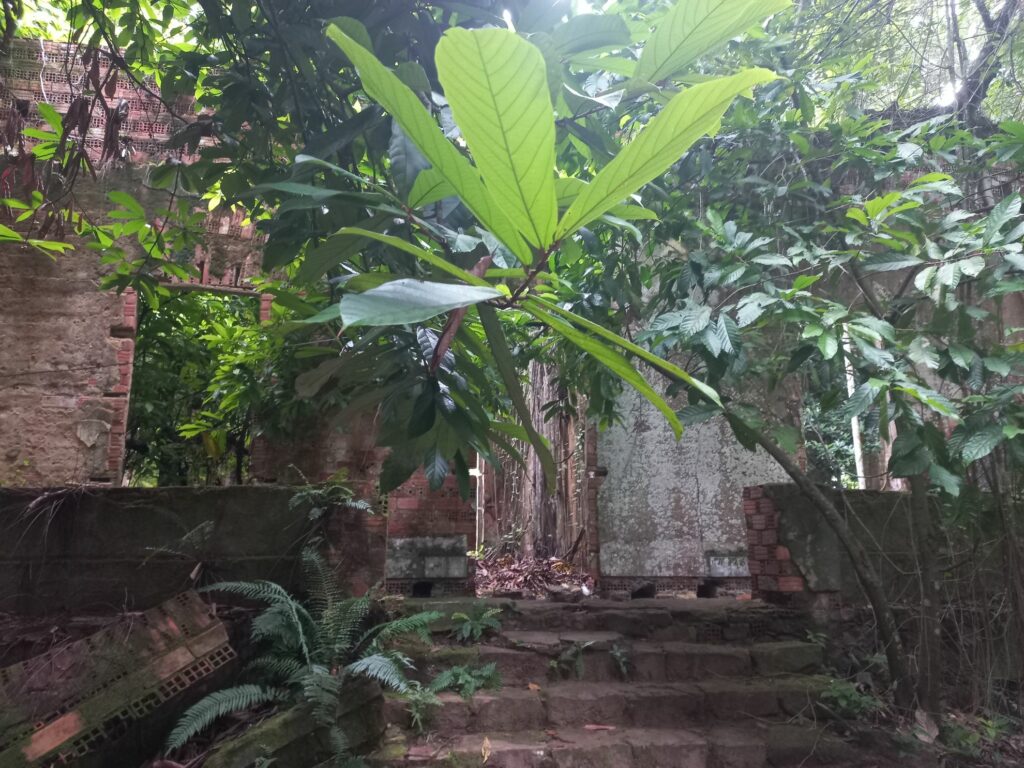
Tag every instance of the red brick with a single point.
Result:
(757, 522)
(788, 568)
(771, 567)
(791, 584)
(753, 492)
(756, 567)
(749, 506)
(765, 505)
(767, 583)
(753, 538)
(782, 552)
(759, 552)
(770, 536)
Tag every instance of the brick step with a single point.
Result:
(639, 705)
(719, 620)
(536, 657)
(754, 746)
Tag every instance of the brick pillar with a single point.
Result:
(773, 574)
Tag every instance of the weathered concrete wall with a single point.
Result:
(108, 549)
(666, 505)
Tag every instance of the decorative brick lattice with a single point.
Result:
(86, 695)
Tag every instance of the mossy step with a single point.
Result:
(525, 657)
(755, 745)
(696, 620)
(639, 705)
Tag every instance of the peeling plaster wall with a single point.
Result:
(665, 505)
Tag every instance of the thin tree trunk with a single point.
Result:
(899, 669)
(929, 667)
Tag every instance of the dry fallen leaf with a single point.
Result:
(925, 728)
(533, 686)
(594, 727)
(485, 749)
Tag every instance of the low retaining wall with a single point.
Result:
(88, 550)
(792, 550)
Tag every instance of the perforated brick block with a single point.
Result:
(79, 701)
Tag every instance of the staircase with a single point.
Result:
(639, 684)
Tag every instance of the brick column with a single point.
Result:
(773, 574)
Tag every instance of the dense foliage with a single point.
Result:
(727, 206)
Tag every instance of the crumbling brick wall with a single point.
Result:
(66, 345)
(65, 370)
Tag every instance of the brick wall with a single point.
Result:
(65, 370)
(773, 572)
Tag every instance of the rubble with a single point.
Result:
(114, 692)
(515, 576)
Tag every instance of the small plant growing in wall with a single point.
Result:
(319, 498)
(569, 662)
(623, 662)
(466, 681)
(421, 701)
(473, 626)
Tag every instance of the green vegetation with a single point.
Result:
(732, 209)
(310, 653)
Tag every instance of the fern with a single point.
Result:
(303, 650)
(385, 668)
(281, 669)
(202, 714)
(467, 680)
(340, 626)
(418, 624)
(321, 582)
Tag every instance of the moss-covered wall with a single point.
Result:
(112, 549)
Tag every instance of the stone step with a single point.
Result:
(634, 705)
(698, 620)
(538, 657)
(756, 746)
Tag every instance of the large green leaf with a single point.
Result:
(688, 116)
(430, 186)
(332, 252)
(496, 84)
(611, 359)
(498, 348)
(589, 31)
(419, 253)
(674, 371)
(404, 106)
(408, 301)
(694, 27)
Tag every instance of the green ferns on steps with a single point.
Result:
(311, 654)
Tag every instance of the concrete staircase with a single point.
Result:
(644, 684)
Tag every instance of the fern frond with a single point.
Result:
(385, 668)
(219, 703)
(261, 591)
(321, 583)
(321, 690)
(285, 670)
(340, 626)
(418, 624)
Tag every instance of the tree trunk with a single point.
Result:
(927, 547)
(899, 669)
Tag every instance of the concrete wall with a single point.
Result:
(108, 549)
(666, 505)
